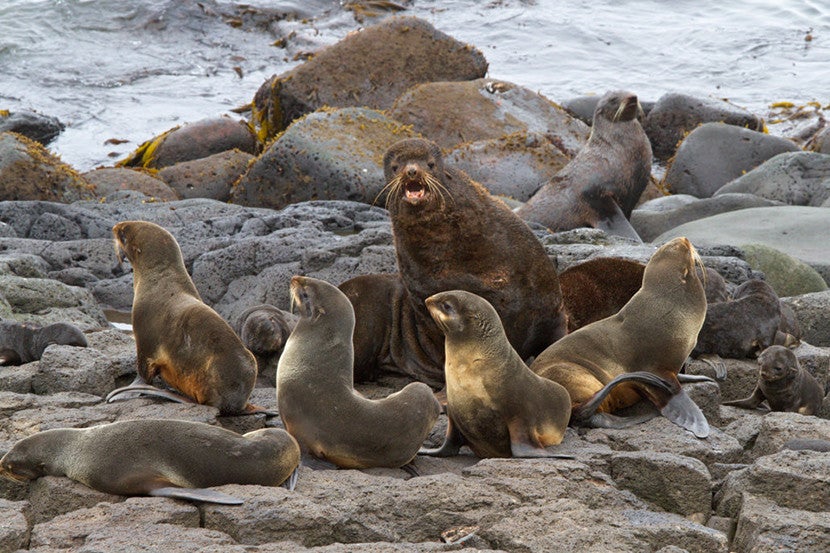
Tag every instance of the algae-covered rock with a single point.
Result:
(787, 275)
(327, 155)
(208, 177)
(110, 180)
(370, 68)
(35, 126)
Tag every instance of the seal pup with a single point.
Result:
(165, 458)
(316, 396)
(25, 342)
(178, 338)
(451, 234)
(495, 404)
(783, 384)
(602, 184)
(264, 329)
(617, 361)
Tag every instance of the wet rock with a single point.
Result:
(794, 178)
(514, 166)
(326, 155)
(787, 275)
(821, 142)
(714, 154)
(34, 126)
(208, 177)
(674, 115)
(110, 180)
(811, 311)
(791, 229)
(357, 72)
(655, 217)
(14, 532)
(30, 172)
(452, 113)
(193, 141)
(675, 483)
(765, 526)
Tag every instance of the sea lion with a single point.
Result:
(24, 342)
(166, 458)
(316, 396)
(783, 384)
(495, 404)
(637, 353)
(451, 234)
(603, 182)
(178, 338)
(264, 329)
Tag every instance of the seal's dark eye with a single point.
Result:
(447, 307)
(394, 167)
(431, 165)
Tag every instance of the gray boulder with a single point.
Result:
(787, 275)
(794, 178)
(34, 126)
(811, 311)
(208, 177)
(108, 181)
(765, 526)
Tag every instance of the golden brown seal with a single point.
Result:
(450, 234)
(603, 182)
(495, 404)
(167, 458)
(178, 338)
(637, 353)
(784, 384)
(316, 395)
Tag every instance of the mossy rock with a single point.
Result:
(110, 180)
(787, 275)
(208, 177)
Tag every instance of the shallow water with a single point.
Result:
(130, 69)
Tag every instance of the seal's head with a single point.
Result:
(617, 106)
(317, 300)
(675, 264)
(32, 457)
(778, 364)
(145, 244)
(413, 169)
(461, 314)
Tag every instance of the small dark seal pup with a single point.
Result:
(165, 458)
(495, 404)
(316, 395)
(178, 338)
(603, 182)
(24, 342)
(615, 362)
(264, 329)
(783, 384)
(450, 234)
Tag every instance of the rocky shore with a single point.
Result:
(297, 189)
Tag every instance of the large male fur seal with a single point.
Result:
(24, 342)
(178, 338)
(316, 395)
(783, 384)
(603, 182)
(637, 353)
(495, 404)
(167, 458)
(450, 234)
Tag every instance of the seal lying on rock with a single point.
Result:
(165, 458)
(637, 353)
(495, 404)
(316, 395)
(783, 384)
(178, 338)
(603, 182)
(24, 342)
(450, 234)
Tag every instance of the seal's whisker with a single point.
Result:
(391, 187)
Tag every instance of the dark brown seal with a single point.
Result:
(316, 395)
(167, 458)
(603, 182)
(450, 234)
(178, 338)
(264, 329)
(25, 342)
(637, 353)
(495, 404)
(783, 384)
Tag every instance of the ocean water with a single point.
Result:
(130, 69)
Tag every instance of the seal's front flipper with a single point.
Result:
(691, 378)
(251, 409)
(751, 402)
(614, 221)
(685, 413)
(583, 414)
(716, 362)
(291, 482)
(452, 443)
(197, 494)
(147, 390)
(525, 441)
(528, 451)
(607, 420)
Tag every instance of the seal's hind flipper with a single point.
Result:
(291, 482)
(197, 494)
(147, 390)
(583, 414)
(684, 412)
(716, 362)
(691, 378)
(607, 420)
(452, 443)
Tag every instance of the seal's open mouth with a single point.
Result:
(414, 191)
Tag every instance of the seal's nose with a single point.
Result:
(411, 171)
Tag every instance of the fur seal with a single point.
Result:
(637, 353)
(178, 338)
(495, 404)
(264, 329)
(25, 342)
(783, 384)
(451, 234)
(166, 458)
(603, 182)
(316, 395)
